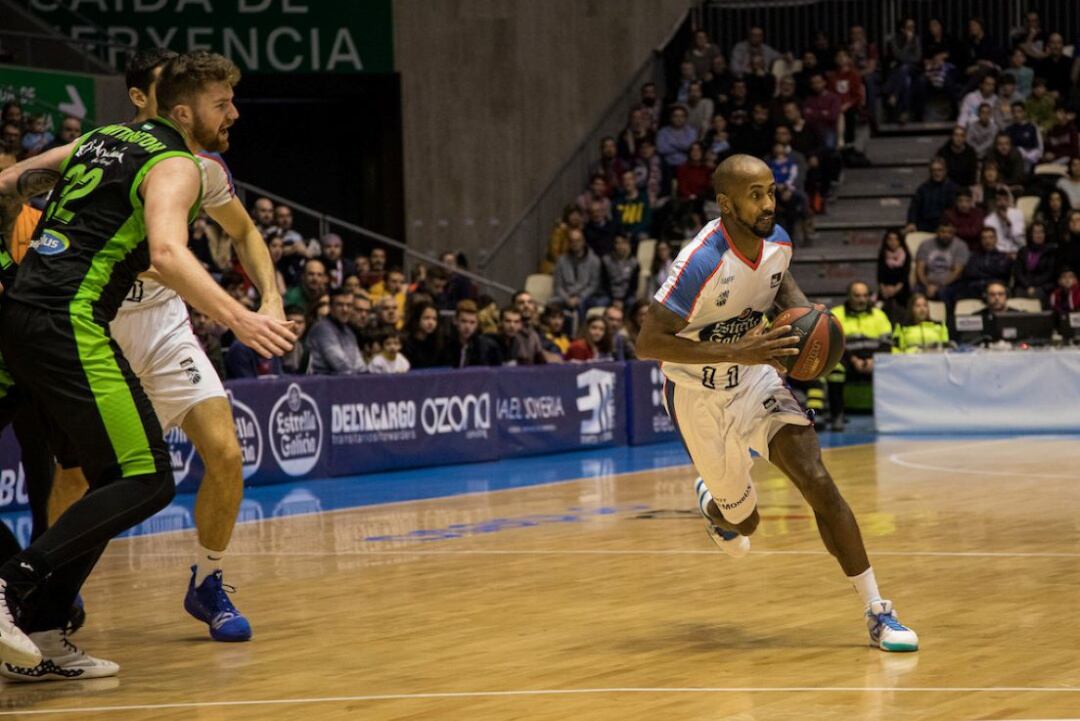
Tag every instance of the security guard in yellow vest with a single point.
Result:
(867, 330)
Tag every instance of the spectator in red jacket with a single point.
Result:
(966, 217)
(694, 177)
(594, 344)
(823, 111)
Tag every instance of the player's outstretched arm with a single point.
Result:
(24, 180)
(169, 191)
(659, 340)
(253, 253)
(789, 295)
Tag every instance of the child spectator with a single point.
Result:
(982, 130)
(36, 137)
(552, 330)
(784, 169)
(1040, 105)
(390, 358)
(1066, 297)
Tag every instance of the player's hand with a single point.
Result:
(765, 348)
(266, 336)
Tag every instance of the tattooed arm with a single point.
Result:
(789, 294)
(24, 180)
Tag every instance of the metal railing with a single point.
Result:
(312, 223)
(41, 50)
(791, 24)
(518, 252)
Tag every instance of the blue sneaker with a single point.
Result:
(886, 631)
(210, 604)
(733, 544)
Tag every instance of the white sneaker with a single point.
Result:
(886, 631)
(733, 544)
(15, 646)
(61, 661)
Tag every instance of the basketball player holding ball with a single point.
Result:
(723, 387)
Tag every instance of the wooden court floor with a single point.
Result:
(604, 599)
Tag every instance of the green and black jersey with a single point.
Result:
(91, 242)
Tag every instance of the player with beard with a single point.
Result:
(153, 330)
(723, 389)
(123, 199)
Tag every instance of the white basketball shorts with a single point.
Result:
(720, 428)
(171, 364)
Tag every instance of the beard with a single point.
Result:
(762, 226)
(214, 139)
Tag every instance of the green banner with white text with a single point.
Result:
(264, 36)
(50, 93)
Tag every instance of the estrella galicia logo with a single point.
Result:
(50, 243)
(181, 451)
(295, 431)
(248, 434)
(732, 329)
(599, 403)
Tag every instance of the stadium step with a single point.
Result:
(904, 150)
(935, 127)
(832, 278)
(897, 181)
(855, 213)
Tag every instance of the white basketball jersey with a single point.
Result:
(721, 295)
(218, 190)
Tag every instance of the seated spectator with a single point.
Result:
(552, 330)
(716, 139)
(275, 246)
(621, 272)
(488, 315)
(593, 344)
(375, 271)
(1008, 224)
(578, 276)
(531, 342)
(635, 318)
(822, 167)
(989, 184)
(1033, 271)
(744, 50)
(333, 345)
(961, 160)
(997, 301)
(979, 55)
(1009, 162)
(296, 361)
(242, 362)
(238, 288)
(918, 333)
(1024, 75)
(11, 139)
(1025, 136)
(687, 76)
(785, 94)
(388, 314)
(598, 192)
(663, 262)
(36, 138)
(1069, 248)
(755, 137)
(650, 103)
(931, 199)
(702, 53)
(738, 102)
(867, 330)
(572, 219)
(939, 263)
(718, 80)
(70, 130)
(673, 141)
(893, 273)
(633, 212)
(337, 267)
(986, 94)
(1065, 298)
(437, 285)
(802, 77)
(458, 287)
(1053, 212)
(622, 348)
(699, 109)
(389, 359)
(982, 130)
(1006, 96)
(466, 345)
(760, 83)
(649, 169)
(985, 265)
(785, 171)
(694, 177)
(1062, 140)
(903, 51)
(262, 214)
(600, 229)
(638, 128)
(393, 286)
(423, 343)
(1040, 106)
(847, 83)
(939, 76)
(608, 165)
(967, 218)
(1056, 67)
(514, 348)
(1070, 184)
(362, 319)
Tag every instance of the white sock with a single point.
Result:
(206, 563)
(866, 585)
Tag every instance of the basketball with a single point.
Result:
(821, 342)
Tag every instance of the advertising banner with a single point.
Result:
(648, 420)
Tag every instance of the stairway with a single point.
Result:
(866, 203)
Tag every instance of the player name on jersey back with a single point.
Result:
(722, 296)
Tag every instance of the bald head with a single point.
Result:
(739, 171)
(746, 192)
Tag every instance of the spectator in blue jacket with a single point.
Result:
(674, 139)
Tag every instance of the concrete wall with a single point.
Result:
(496, 94)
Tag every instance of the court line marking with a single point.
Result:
(547, 692)
(900, 459)
(606, 552)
